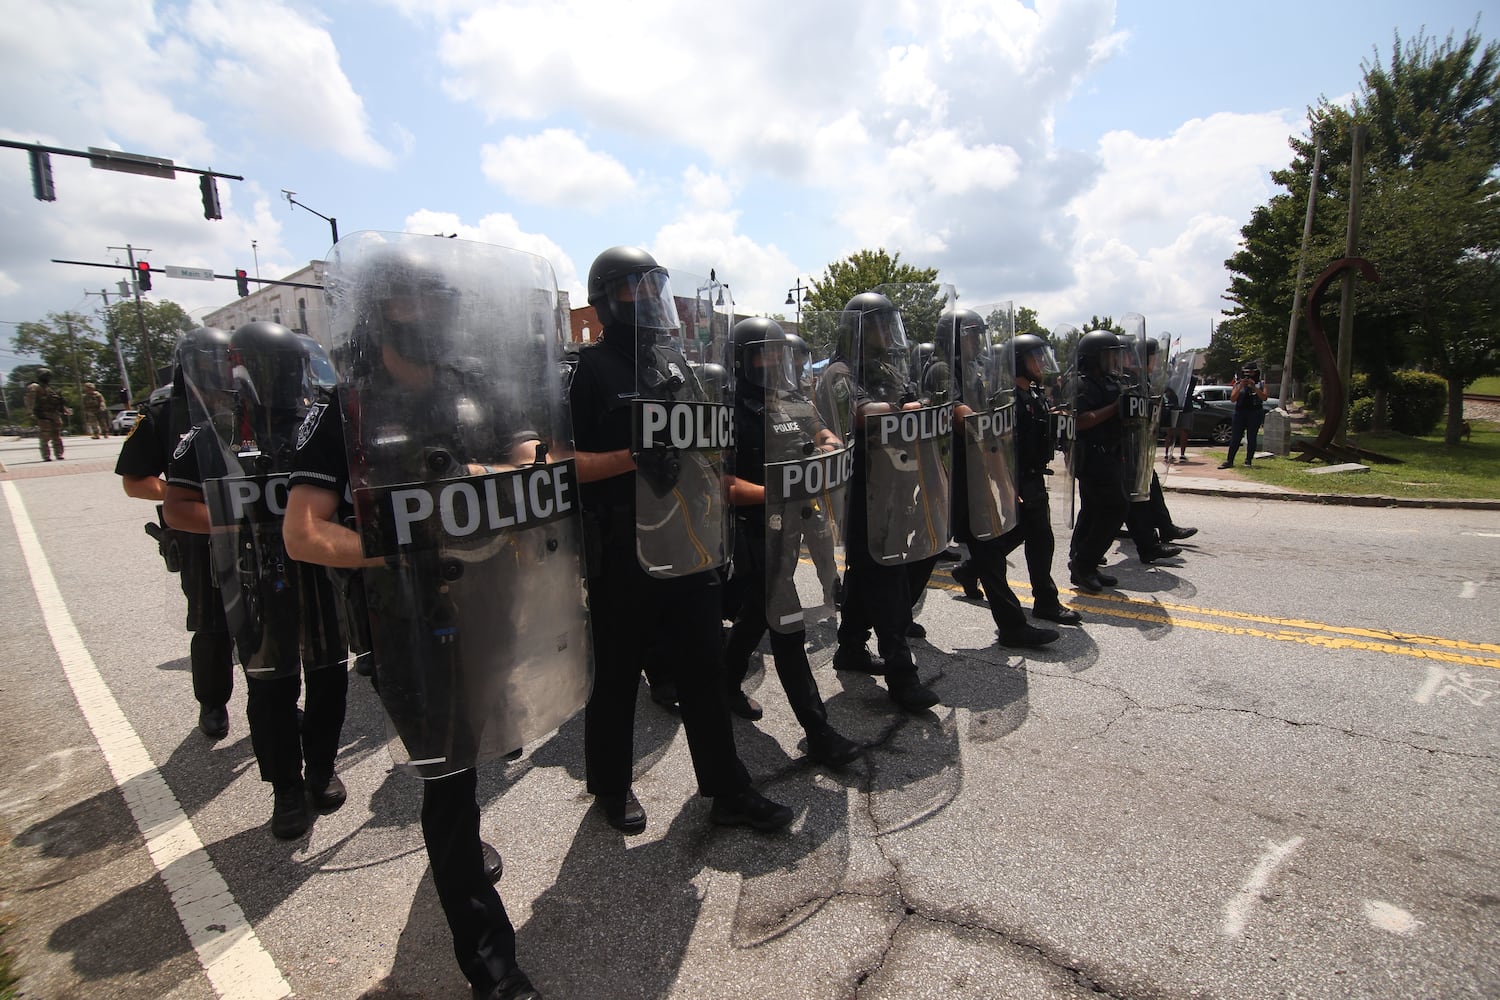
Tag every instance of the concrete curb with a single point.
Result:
(1337, 499)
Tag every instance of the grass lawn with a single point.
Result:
(1428, 468)
(1484, 386)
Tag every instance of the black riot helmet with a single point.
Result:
(44, 376)
(403, 302)
(630, 291)
(877, 322)
(1100, 352)
(713, 376)
(761, 355)
(202, 357)
(1033, 357)
(956, 324)
(270, 367)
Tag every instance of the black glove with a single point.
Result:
(660, 467)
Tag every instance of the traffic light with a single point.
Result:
(242, 281)
(210, 197)
(143, 275)
(41, 176)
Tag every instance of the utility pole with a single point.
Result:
(1346, 297)
(140, 315)
(77, 375)
(1291, 326)
(119, 353)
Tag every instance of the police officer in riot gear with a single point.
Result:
(771, 427)
(142, 466)
(225, 479)
(1098, 458)
(864, 376)
(423, 400)
(1152, 542)
(1032, 360)
(987, 547)
(629, 603)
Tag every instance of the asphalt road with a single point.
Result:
(1267, 771)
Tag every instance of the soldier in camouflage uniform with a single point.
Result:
(50, 409)
(95, 412)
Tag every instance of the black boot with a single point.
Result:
(289, 816)
(968, 577)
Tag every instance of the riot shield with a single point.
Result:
(809, 456)
(462, 483)
(1063, 393)
(1143, 383)
(246, 404)
(987, 419)
(681, 430)
(907, 425)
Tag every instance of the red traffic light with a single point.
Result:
(242, 281)
(143, 275)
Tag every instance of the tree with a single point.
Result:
(862, 271)
(1027, 322)
(68, 344)
(166, 322)
(1429, 221)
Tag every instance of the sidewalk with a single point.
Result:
(1202, 476)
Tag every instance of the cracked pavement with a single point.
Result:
(1251, 773)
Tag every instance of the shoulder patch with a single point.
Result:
(310, 424)
(185, 442)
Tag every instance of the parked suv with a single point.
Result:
(1212, 412)
(125, 419)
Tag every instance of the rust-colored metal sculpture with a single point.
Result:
(1333, 385)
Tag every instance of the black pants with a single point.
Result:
(211, 648)
(281, 746)
(679, 620)
(988, 560)
(1034, 530)
(788, 649)
(1147, 518)
(1245, 424)
(1102, 506)
(484, 942)
(879, 599)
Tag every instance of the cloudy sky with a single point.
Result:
(1077, 156)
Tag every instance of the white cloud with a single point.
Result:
(283, 71)
(556, 167)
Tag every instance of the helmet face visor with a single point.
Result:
(644, 301)
(1038, 363)
(883, 332)
(768, 365)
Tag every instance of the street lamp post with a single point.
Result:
(722, 287)
(795, 296)
(333, 223)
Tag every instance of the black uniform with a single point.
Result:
(877, 597)
(483, 939)
(282, 745)
(1034, 529)
(1099, 467)
(788, 649)
(147, 452)
(629, 608)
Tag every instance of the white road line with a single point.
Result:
(231, 954)
(1237, 910)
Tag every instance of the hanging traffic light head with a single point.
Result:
(143, 275)
(242, 281)
(210, 197)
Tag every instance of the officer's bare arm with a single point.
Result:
(596, 465)
(144, 487)
(743, 493)
(313, 534)
(185, 510)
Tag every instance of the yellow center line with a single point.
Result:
(1316, 634)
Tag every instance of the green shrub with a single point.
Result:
(1416, 402)
(1314, 399)
(1362, 414)
(1359, 387)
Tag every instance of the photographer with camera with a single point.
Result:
(1248, 394)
